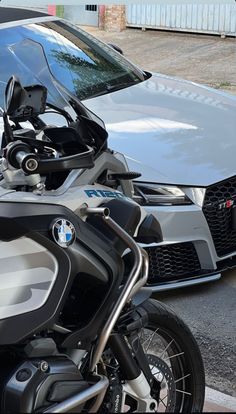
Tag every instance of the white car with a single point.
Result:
(179, 135)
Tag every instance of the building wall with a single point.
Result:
(192, 17)
(108, 17)
(114, 19)
(84, 15)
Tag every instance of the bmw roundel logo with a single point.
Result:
(63, 232)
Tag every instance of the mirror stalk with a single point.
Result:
(7, 129)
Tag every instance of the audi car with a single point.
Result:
(179, 135)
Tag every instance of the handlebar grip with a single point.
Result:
(28, 162)
(20, 156)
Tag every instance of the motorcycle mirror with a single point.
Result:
(13, 94)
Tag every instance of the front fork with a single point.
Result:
(131, 359)
(135, 370)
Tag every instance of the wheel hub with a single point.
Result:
(163, 375)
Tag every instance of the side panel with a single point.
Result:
(27, 275)
(46, 303)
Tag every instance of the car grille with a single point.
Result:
(220, 220)
(172, 261)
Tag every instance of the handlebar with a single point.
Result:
(21, 156)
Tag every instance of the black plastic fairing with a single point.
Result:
(140, 297)
(34, 221)
(65, 139)
(92, 133)
(125, 213)
(149, 231)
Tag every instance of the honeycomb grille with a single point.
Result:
(220, 220)
(173, 261)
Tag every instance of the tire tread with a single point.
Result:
(163, 315)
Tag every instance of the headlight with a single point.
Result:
(157, 194)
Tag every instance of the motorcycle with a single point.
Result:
(79, 332)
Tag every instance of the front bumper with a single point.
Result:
(187, 256)
(183, 283)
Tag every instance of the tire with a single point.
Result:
(165, 324)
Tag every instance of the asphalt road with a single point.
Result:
(210, 312)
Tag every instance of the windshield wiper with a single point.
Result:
(113, 88)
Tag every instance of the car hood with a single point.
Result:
(172, 131)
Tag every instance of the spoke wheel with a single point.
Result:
(174, 359)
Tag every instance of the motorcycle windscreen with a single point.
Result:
(31, 63)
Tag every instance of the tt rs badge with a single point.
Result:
(226, 204)
(63, 232)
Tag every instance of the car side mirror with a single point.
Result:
(117, 48)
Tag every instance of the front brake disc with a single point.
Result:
(164, 376)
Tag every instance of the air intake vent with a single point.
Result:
(173, 261)
(219, 218)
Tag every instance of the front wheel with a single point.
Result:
(174, 359)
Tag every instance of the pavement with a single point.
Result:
(210, 309)
(200, 58)
(217, 402)
(210, 312)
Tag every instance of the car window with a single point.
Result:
(86, 66)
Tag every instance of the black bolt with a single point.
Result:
(152, 406)
(23, 375)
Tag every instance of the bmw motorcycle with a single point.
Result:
(79, 332)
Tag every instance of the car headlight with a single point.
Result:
(148, 194)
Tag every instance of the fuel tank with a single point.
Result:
(36, 272)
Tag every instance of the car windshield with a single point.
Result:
(83, 64)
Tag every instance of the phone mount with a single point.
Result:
(22, 103)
